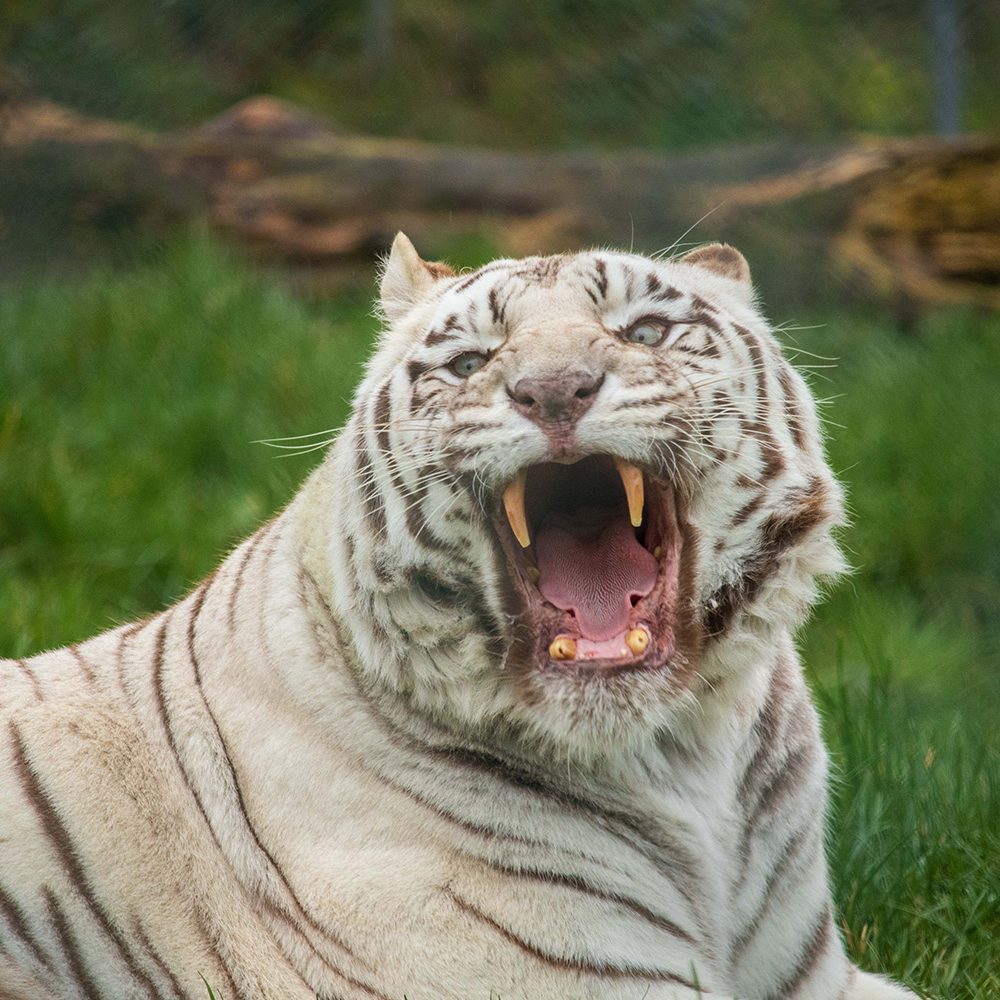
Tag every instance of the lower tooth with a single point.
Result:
(637, 640)
(534, 574)
(563, 648)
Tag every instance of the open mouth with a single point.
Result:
(594, 548)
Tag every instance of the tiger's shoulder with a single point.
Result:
(114, 873)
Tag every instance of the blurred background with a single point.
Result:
(193, 195)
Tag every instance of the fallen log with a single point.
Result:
(916, 220)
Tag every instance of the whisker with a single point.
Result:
(296, 447)
(673, 246)
(298, 437)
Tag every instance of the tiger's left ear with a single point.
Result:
(406, 278)
(724, 261)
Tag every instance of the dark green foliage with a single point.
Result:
(600, 73)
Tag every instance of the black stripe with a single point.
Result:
(18, 921)
(164, 713)
(195, 613)
(475, 276)
(381, 413)
(778, 533)
(241, 570)
(498, 312)
(602, 277)
(604, 970)
(127, 634)
(704, 319)
(436, 337)
(29, 673)
(132, 630)
(652, 402)
(59, 836)
(658, 846)
(789, 852)
(416, 523)
(793, 407)
(415, 369)
(338, 972)
(158, 961)
(749, 508)
(815, 947)
(795, 767)
(212, 949)
(371, 500)
(581, 885)
(70, 948)
(464, 757)
(709, 349)
(87, 669)
(766, 729)
(467, 426)
(759, 428)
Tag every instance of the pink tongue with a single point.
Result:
(592, 565)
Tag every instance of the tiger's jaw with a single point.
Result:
(594, 549)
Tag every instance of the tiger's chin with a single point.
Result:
(599, 556)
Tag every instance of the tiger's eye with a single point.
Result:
(649, 334)
(467, 364)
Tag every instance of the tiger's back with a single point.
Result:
(366, 759)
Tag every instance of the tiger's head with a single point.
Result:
(577, 493)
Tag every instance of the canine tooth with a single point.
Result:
(658, 551)
(513, 504)
(631, 477)
(563, 647)
(637, 640)
(534, 574)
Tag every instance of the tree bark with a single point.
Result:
(918, 219)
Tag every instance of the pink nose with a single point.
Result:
(562, 399)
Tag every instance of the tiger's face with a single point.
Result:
(591, 487)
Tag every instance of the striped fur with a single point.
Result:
(330, 770)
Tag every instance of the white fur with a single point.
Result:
(311, 778)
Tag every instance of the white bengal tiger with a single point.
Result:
(505, 703)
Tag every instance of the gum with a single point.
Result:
(606, 649)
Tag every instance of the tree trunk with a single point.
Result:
(916, 219)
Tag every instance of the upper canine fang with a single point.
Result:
(513, 504)
(631, 477)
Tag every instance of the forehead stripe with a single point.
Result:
(602, 277)
(436, 337)
(498, 310)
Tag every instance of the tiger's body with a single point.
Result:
(345, 765)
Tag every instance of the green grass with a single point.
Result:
(916, 838)
(129, 405)
(130, 401)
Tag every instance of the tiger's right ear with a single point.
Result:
(406, 278)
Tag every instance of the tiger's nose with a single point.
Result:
(562, 399)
